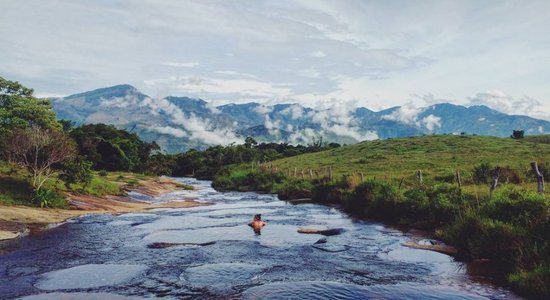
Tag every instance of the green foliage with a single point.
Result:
(49, 198)
(205, 164)
(516, 206)
(482, 173)
(77, 170)
(518, 134)
(374, 198)
(19, 109)
(532, 283)
(101, 186)
(102, 173)
(112, 149)
(247, 179)
(294, 189)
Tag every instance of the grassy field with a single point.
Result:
(439, 157)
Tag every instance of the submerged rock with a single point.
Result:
(89, 276)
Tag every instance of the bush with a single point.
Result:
(48, 198)
(329, 192)
(520, 207)
(485, 238)
(482, 173)
(294, 189)
(535, 283)
(77, 171)
(375, 198)
(102, 173)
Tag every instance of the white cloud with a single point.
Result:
(168, 130)
(407, 114)
(180, 64)
(263, 109)
(431, 122)
(295, 111)
(318, 54)
(196, 128)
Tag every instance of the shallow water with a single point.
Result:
(111, 257)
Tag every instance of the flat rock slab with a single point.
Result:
(326, 232)
(89, 276)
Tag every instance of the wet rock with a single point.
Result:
(321, 241)
(166, 245)
(89, 276)
(325, 232)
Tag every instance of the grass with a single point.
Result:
(438, 157)
(16, 190)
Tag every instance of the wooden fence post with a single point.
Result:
(330, 173)
(401, 182)
(540, 178)
(458, 180)
(362, 177)
(295, 171)
(419, 176)
(310, 173)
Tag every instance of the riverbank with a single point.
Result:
(18, 220)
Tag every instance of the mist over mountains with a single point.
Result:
(181, 123)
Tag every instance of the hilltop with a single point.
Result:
(439, 155)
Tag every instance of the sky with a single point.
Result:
(375, 54)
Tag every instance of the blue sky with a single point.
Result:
(375, 54)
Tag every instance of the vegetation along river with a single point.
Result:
(209, 252)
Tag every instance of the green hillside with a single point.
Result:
(437, 156)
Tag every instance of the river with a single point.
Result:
(209, 252)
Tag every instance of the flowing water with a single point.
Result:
(209, 252)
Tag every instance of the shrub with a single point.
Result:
(48, 198)
(535, 283)
(482, 173)
(102, 173)
(375, 198)
(516, 206)
(77, 171)
(294, 189)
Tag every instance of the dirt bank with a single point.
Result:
(19, 220)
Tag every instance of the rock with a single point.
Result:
(325, 232)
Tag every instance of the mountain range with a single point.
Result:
(181, 123)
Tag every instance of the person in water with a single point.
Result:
(257, 224)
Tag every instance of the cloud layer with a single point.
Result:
(378, 54)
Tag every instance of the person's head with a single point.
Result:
(258, 217)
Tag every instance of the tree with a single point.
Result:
(19, 109)
(518, 134)
(38, 150)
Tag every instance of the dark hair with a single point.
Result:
(258, 217)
